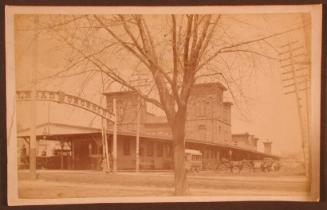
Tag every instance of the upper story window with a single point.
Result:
(202, 127)
(202, 131)
(200, 108)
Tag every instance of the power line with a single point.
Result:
(297, 82)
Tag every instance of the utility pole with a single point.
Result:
(104, 124)
(105, 151)
(297, 74)
(32, 149)
(306, 21)
(139, 83)
(102, 141)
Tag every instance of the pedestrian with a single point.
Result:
(24, 157)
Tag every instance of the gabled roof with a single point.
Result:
(210, 84)
(53, 128)
(64, 130)
(240, 134)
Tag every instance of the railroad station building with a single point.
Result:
(208, 129)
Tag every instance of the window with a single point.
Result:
(202, 127)
(150, 149)
(120, 113)
(169, 151)
(203, 107)
(200, 108)
(213, 154)
(207, 154)
(195, 157)
(141, 151)
(197, 108)
(126, 147)
(159, 149)
(202, 131)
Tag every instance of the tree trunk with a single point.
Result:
(181, 185)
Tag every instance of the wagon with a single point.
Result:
(193, 160)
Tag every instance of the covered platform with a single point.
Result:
(62, 146)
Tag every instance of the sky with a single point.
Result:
(264, 111)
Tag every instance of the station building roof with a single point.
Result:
(59, 130)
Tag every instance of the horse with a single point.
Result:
(234, 166)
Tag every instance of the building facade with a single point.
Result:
(245, 140)
(208, 130)
(208, 116)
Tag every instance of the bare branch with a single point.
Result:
(196, 50)
(250, 51)
(139, 56)
(221, 50)
(80, 61)
(195, 32)
(127, 29)
(187, 39)
(209, 37)
(111, 73)
(175, 57)
(154, 54)
(148, 61)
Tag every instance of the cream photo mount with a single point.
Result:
(315, 12)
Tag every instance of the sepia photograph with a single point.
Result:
(163, 104)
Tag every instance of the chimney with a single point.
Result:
(267, 146)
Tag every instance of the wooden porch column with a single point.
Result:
(61, 155)
(137, 145)
(73, 154)
(114, 138)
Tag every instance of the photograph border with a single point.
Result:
(323, 115)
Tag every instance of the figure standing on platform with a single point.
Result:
(106, 167)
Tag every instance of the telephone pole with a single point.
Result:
(139, 82)
(32, 149)
(296, 70)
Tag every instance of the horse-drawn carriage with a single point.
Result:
(265, 165)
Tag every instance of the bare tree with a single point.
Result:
(175, 57)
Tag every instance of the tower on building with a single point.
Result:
(267, 146)
(126, 105)
(208, 115)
